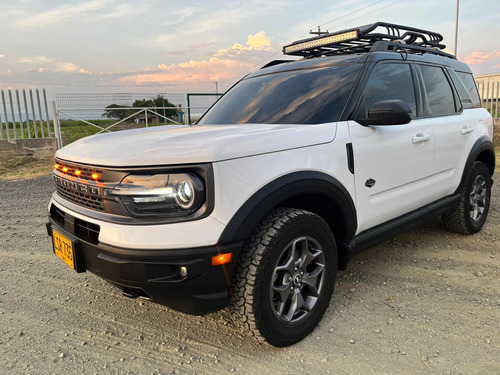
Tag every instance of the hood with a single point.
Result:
(168, 145)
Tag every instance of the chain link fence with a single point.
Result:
(199, 103)
(82, 114)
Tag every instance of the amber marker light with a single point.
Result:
(56, 166)
(220, 259)
(95, 176)
(78, 173)
(65, 169)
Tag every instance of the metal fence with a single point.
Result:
(24, 114)
(490, 93)
(79, 115)
(199, 103)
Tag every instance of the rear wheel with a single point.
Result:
(470, 214)
(285, 277)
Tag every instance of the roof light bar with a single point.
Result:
(321, 42)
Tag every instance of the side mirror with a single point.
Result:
(388, 112)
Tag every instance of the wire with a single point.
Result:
(304, 35)
(376, 11)
(348, 14)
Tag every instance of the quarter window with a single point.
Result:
(388, 82)
(470, 85)
(440, 98)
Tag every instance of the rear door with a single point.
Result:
(452, 127)
(393, 164)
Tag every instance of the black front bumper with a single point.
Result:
(156, 274)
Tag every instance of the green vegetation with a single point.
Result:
(159, 101)
(74, 130)
(493, 110)
(25, 130)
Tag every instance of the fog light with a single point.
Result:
(184, 271)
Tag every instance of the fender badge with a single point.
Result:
(370, 182)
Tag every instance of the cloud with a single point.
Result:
(40, 59)
(81, 9)
(214, 69)
(226, 65)
(61, 13)
(256, 42)
(479, 57)
(48, 64)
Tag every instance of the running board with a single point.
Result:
(386, 231)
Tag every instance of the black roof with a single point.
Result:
(372, 57)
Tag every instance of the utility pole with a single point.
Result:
(456, 28)
(216, 87)
(319, 32)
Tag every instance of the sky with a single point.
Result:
(201, 45)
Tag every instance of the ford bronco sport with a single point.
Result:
(297, 168)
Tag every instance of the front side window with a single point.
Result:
(306, 96)
(389, 82)
(440, 98)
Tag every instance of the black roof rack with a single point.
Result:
(380, 36)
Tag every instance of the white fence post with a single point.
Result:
(57, 126)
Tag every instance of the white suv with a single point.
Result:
(298, 167)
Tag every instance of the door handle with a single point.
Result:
(466, 130)
(419, 138)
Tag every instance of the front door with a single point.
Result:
(393, 164)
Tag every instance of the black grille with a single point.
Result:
(57, 215)
(86, 171)
(82, 229)
(87, 231)
(80, 198)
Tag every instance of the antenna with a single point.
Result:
(319, 32)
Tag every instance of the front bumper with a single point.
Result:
(156, 274)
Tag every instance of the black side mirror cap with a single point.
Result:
(387, 112)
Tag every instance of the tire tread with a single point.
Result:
(243, 301)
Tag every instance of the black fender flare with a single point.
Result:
(273, 194)
(482, 144)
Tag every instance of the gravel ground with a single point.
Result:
(427, 302)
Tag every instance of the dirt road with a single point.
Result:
(427, 302)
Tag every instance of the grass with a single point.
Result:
(14, 167)
(72, 130)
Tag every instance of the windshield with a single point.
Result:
(307, 96)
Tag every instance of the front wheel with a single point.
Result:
(469, 216)
(285, 277)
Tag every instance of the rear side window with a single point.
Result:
(306, 96)
(462, 91)
(440, 98)
(470, 86)
(387, 82)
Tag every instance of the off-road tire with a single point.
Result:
(459, 219)
(251, 303)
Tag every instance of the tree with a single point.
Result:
(159, 101)
(119, 114)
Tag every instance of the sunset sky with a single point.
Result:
(179, 46)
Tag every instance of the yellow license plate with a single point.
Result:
(63, 247)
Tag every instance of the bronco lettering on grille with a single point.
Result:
(78, 187)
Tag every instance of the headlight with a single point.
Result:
(161, 195)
